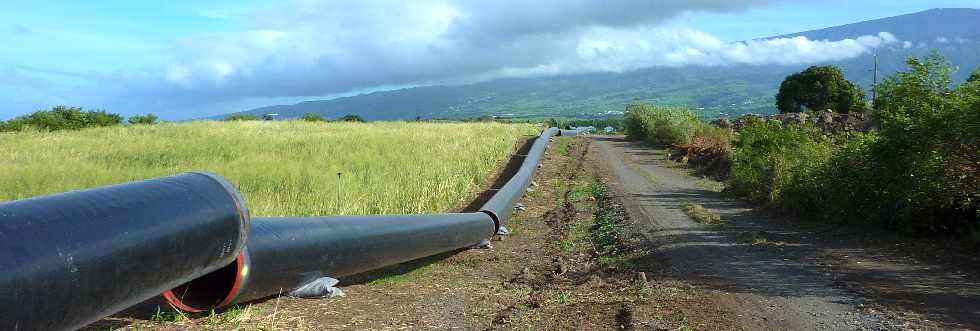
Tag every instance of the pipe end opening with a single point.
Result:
(213, 290)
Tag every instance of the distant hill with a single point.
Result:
(716, 91)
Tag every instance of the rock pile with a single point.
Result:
(827, 121)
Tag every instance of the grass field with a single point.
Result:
(282, 168)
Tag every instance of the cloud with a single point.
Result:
(315, 48)
(616, 50)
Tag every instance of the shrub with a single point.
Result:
(62, 118)
(313, 117)
(930, 132)
(241, 117)
(148, 119)
(661, 125)
(351, 118)
(770, 159)
(919, 173)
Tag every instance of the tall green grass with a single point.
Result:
(282, 168)
(668, 125)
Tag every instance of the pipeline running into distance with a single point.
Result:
(285, 253)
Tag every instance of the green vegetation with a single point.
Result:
(313, 117)
(769, 159)
(167, 316)
(919, 172)
(564, 298)
(666, 125)
(563, 148)
(616, 261)
(606, 233)
(61, 118)
(281, 167)
(242, 117)
(148, 119)
(701, 215)
(819, 88)
(710, 185)
(351, 118)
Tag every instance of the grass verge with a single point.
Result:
(701, 215)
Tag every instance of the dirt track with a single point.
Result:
(765, 272)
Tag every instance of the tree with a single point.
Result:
(313, 117)
(975, 76)
(351, 118)
(819, 88)
(63, 118)
(148, 119)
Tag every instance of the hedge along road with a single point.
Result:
(774, 273)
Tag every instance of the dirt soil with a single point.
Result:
(660, 271)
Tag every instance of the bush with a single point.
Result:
(819, 88)
(927, 153)
(351, 118)
(148, 119)
(62, 118)
(919, 173)
(660, 125)
(770, 159)
(241, 117)
(313, 117)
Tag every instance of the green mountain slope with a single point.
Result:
(715, 91)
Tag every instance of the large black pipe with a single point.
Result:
(69, 259)
(501, 205)
(285, 253)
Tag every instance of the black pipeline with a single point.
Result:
(69, 259)
(285, 253)
(501, 205)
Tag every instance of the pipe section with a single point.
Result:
(285, 253)
(501, 205)
(69, 259)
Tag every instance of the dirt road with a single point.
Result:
(770, 273)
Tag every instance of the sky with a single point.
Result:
(187, 59)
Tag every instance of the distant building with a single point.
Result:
(584, 129)
(609, 129)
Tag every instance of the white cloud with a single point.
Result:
(312, 47)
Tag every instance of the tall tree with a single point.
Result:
(819, 88)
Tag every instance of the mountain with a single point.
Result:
(713, 91)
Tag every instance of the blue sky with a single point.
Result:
(186, 59)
